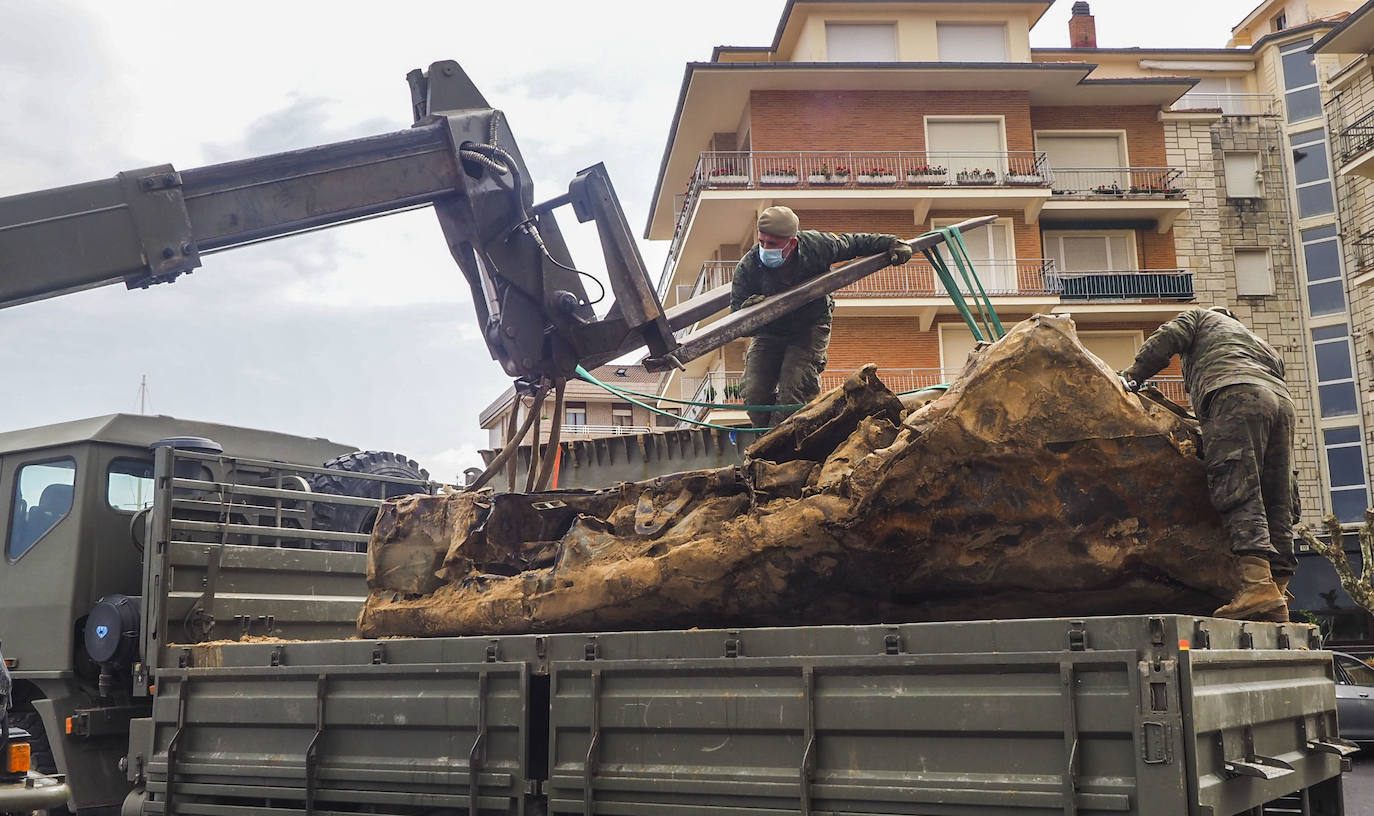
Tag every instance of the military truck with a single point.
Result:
(197, 656)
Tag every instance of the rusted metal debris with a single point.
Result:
(1036, 486)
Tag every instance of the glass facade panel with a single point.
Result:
(1318, 233)
(1309, 160)
(1338, 399)
(1299, 67)
(1349, 505)
(1323, 260)
(1341, 436)
(1330, 332)
(1303, 105)
(1333, 362)
(1325, 298)
(1346, 465)
(1315, 200)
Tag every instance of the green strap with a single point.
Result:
(954, 239)
(942, 271)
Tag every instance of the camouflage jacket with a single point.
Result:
(814, 254)
(1216, 352)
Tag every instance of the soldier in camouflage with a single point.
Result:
(786, 357)
(1235, 381)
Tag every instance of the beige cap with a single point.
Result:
(779, 221)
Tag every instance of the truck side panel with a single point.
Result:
(396, 739)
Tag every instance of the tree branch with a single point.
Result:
(1358, 587)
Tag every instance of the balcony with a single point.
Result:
(1004, 277)
(1134, 285)
(1230, 104)
(1355, 148)
(713, 275)
(1117, 193)
(598, 431)
(1171, 387)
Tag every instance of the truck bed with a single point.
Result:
(1139, 715)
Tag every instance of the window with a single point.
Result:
(1083, 162)
(1335, 372)
(1091, 251)
(1279, 22)
(861, 42)
(574, 413)
(966, 144)
(956, 341)
(1321, 255)
(971, 42)
(622, 416)
(1311, 173)
(1302, 95)
(1356, 673)
(129, 486)
(42, 497)
(1254, 275)
(989, 248)
(1116, 349)
(1243, 176)
(1345, 465)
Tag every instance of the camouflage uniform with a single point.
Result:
(786, 357)
(1235, 381)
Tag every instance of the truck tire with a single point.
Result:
(342, 518)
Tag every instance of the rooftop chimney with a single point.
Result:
(1082, 27)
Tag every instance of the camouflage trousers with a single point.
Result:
(783, 370)
(1247, 443)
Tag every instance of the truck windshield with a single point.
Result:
(130, 485)
(42, 498)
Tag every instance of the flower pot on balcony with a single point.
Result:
(779, 178)
(822, 178)
(976, 179)
(728, 179)
(927, 179)
(877, 179)
(1026, 179)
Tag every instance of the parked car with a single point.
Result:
(1354, 698)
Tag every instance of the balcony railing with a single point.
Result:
(866, 169)
(597, 431)
(713, 275)
(1143, 284)
(1356, 138)
(723, 387)
(1171, 387)
(1024, 276)
(1230, 104)
(1119, 182)
(1362, 252)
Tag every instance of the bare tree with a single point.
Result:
(1359, 586)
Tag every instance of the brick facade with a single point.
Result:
(875, 120)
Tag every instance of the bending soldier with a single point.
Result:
(1235, 381)
(786, 357)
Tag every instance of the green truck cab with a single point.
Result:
(75, 499)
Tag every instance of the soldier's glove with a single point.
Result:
(1129, 380)
(751, 300)
(898, 253)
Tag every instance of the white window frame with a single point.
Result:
(1268, 265)
(1331, 487)
(890, 24)
(948, 373)
(1002, 24)
(1004, 274)
(1285, 50)
(568, 412)
(1105, 235)
(1316, 136)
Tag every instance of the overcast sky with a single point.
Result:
(363, 334)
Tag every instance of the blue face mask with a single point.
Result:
(771, 258)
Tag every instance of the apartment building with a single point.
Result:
(1130, 183)
(589, 412)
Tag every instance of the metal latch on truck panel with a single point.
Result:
(732, 644)
(892, 642)
(1156, 743)
(1158, 685)
(1078, 636)
(493, 651)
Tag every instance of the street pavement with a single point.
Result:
(1359, 785)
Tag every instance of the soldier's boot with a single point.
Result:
(1259, 597)
(1281, 581)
